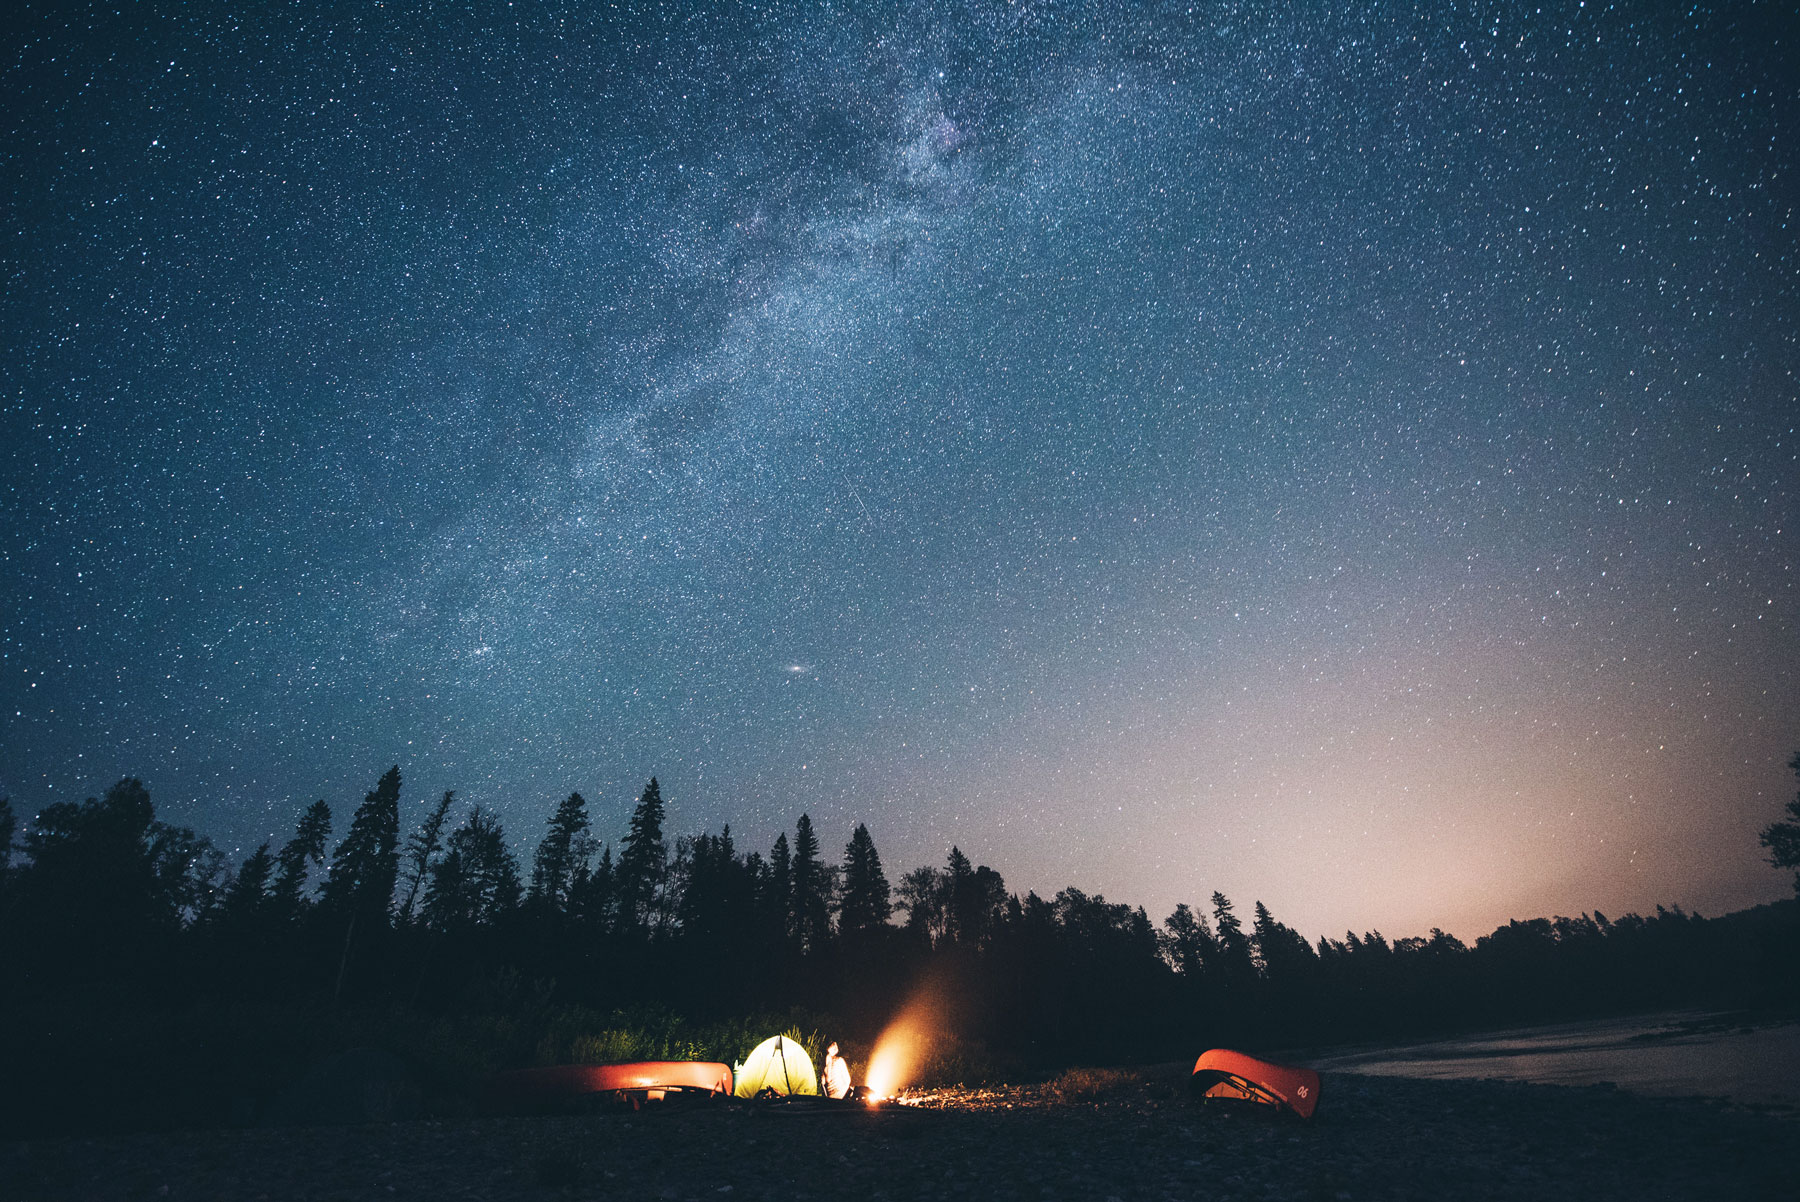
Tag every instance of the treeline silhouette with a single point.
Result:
(136, 956)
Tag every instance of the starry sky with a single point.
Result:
(1344, 459)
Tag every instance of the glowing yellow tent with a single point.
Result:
(778, 1065)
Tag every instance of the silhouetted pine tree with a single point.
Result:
(562, 851)
(868, 901)
(959, 878)
(778, 899)
(421, 850)
(643, 863)
(246, 902)
(8, 826)
(596, 897)
(241, 933)
(1782, 839)
(306, 848)
(366, 865)
(924, 895)
(1236, 967)
(973, 900)
(1187, 943)
(1284, 953)
(189, 869)
(717, 892)
(359, 889)
(476, 883)
(811, 911)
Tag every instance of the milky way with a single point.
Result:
(1342, 460)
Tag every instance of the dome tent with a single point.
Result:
(778, 1065)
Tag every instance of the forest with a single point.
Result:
(135, 955)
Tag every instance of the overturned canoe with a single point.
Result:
(1223, 1073)
(636, 1082)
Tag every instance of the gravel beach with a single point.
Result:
(1128, 1136)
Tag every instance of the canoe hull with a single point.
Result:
(1223, 1073)
(634, 1081)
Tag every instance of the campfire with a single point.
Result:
(901, 1049)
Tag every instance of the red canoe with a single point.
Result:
(634, 1082)
(1223, 1073)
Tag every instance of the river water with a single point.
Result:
(1679, 1054)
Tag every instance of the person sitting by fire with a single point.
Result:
(834, 1080)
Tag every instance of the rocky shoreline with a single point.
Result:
(1099, 1135)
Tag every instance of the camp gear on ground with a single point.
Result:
(1223, 1073)
(634, 1082)
(777, 1065)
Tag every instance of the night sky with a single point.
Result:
(1347, 460)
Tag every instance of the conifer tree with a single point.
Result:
(717, 890)
(306, 847)
(1234, 949)
(811, 912)
(868, 901)
(359, 889)
(643, 862)
(553, 870)
(1782, 839)
(973, 899)
(366, 865)
(924, 896)
(779, 901)
(1282, 951)
(476, 883)
(8, 824)
(421, 849)
(247, 898)
(1187, 943)
(596, 896)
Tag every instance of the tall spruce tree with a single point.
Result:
(868, 901)
(553, 869)
(306, 848)
(247, 900)
(643, 865)
(778, 899)
(974, 898)
(366, 865)
(422, 847)
(359, 889)
(1284, 952)
(1235, 962)
(596, 903)
(811, 912)
(959, 878)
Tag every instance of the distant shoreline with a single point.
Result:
(1746, 1058)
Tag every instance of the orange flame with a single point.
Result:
(902, 1046)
